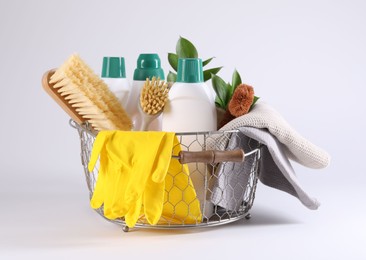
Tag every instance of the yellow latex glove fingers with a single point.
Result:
(98, 145)
(115, 202)
(109, 189)
(143, 163)
(131, 173)
(134, 213)
(180, 202)
(119, 157)
(148, 177)
(153, 200)
(98, 197)
(155, 186)
(151, 164)
(163, 157)
(128, 170)
(98, 150)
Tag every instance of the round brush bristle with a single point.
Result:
(154, 95)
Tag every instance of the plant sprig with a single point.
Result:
(186, 49)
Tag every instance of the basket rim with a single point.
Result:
(86, 127)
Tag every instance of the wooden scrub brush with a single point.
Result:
(85, 97)
(153, 97)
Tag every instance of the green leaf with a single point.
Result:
(207, 73)
(172, 77)
(173, 60)
(230, 91)
(220, 88)
(254, 101)
(236, 80)
(204, 63)
(186, 49)
(219, 104)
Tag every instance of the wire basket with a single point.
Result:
(223, 181)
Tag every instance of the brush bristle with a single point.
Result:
(154, 96)
(90, 96)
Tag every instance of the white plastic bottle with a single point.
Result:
(148, 66)
(114, 75)
(191, 108)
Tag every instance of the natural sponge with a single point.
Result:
(241, 101)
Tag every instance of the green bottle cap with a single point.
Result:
(113, 67)
(148, 66)
(190, 70)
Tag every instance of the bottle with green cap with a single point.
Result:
(191, 108)
(148, 66)
(191, 105)
(114, 75)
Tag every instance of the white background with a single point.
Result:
(306, 58)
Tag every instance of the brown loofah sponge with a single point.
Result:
(241, 100)
(239, 104)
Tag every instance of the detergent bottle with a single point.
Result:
(114, 75)
(148, 66)
(191, 108)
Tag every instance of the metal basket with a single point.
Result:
(214, 191)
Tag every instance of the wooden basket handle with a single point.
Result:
(211, 156)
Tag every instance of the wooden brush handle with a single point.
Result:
(211, 156)
(59, 99)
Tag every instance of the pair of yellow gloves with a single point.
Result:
(132, 180)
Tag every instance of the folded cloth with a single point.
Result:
(295, 146)
(275, 170)
(265, 125)
(231, 180)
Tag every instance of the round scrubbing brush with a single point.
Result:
(153, 97)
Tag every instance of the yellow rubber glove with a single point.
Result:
(131, 163)
(112, 176)
(122, 158)
(142, 150)
(155, 187)
(134, 213)
(153, 193)
(109, 176)
(99, 151)
(181, 205)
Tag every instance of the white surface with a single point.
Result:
(306, 58)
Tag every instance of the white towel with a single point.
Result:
(275, 170)
(296, 147)
(281, 142)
